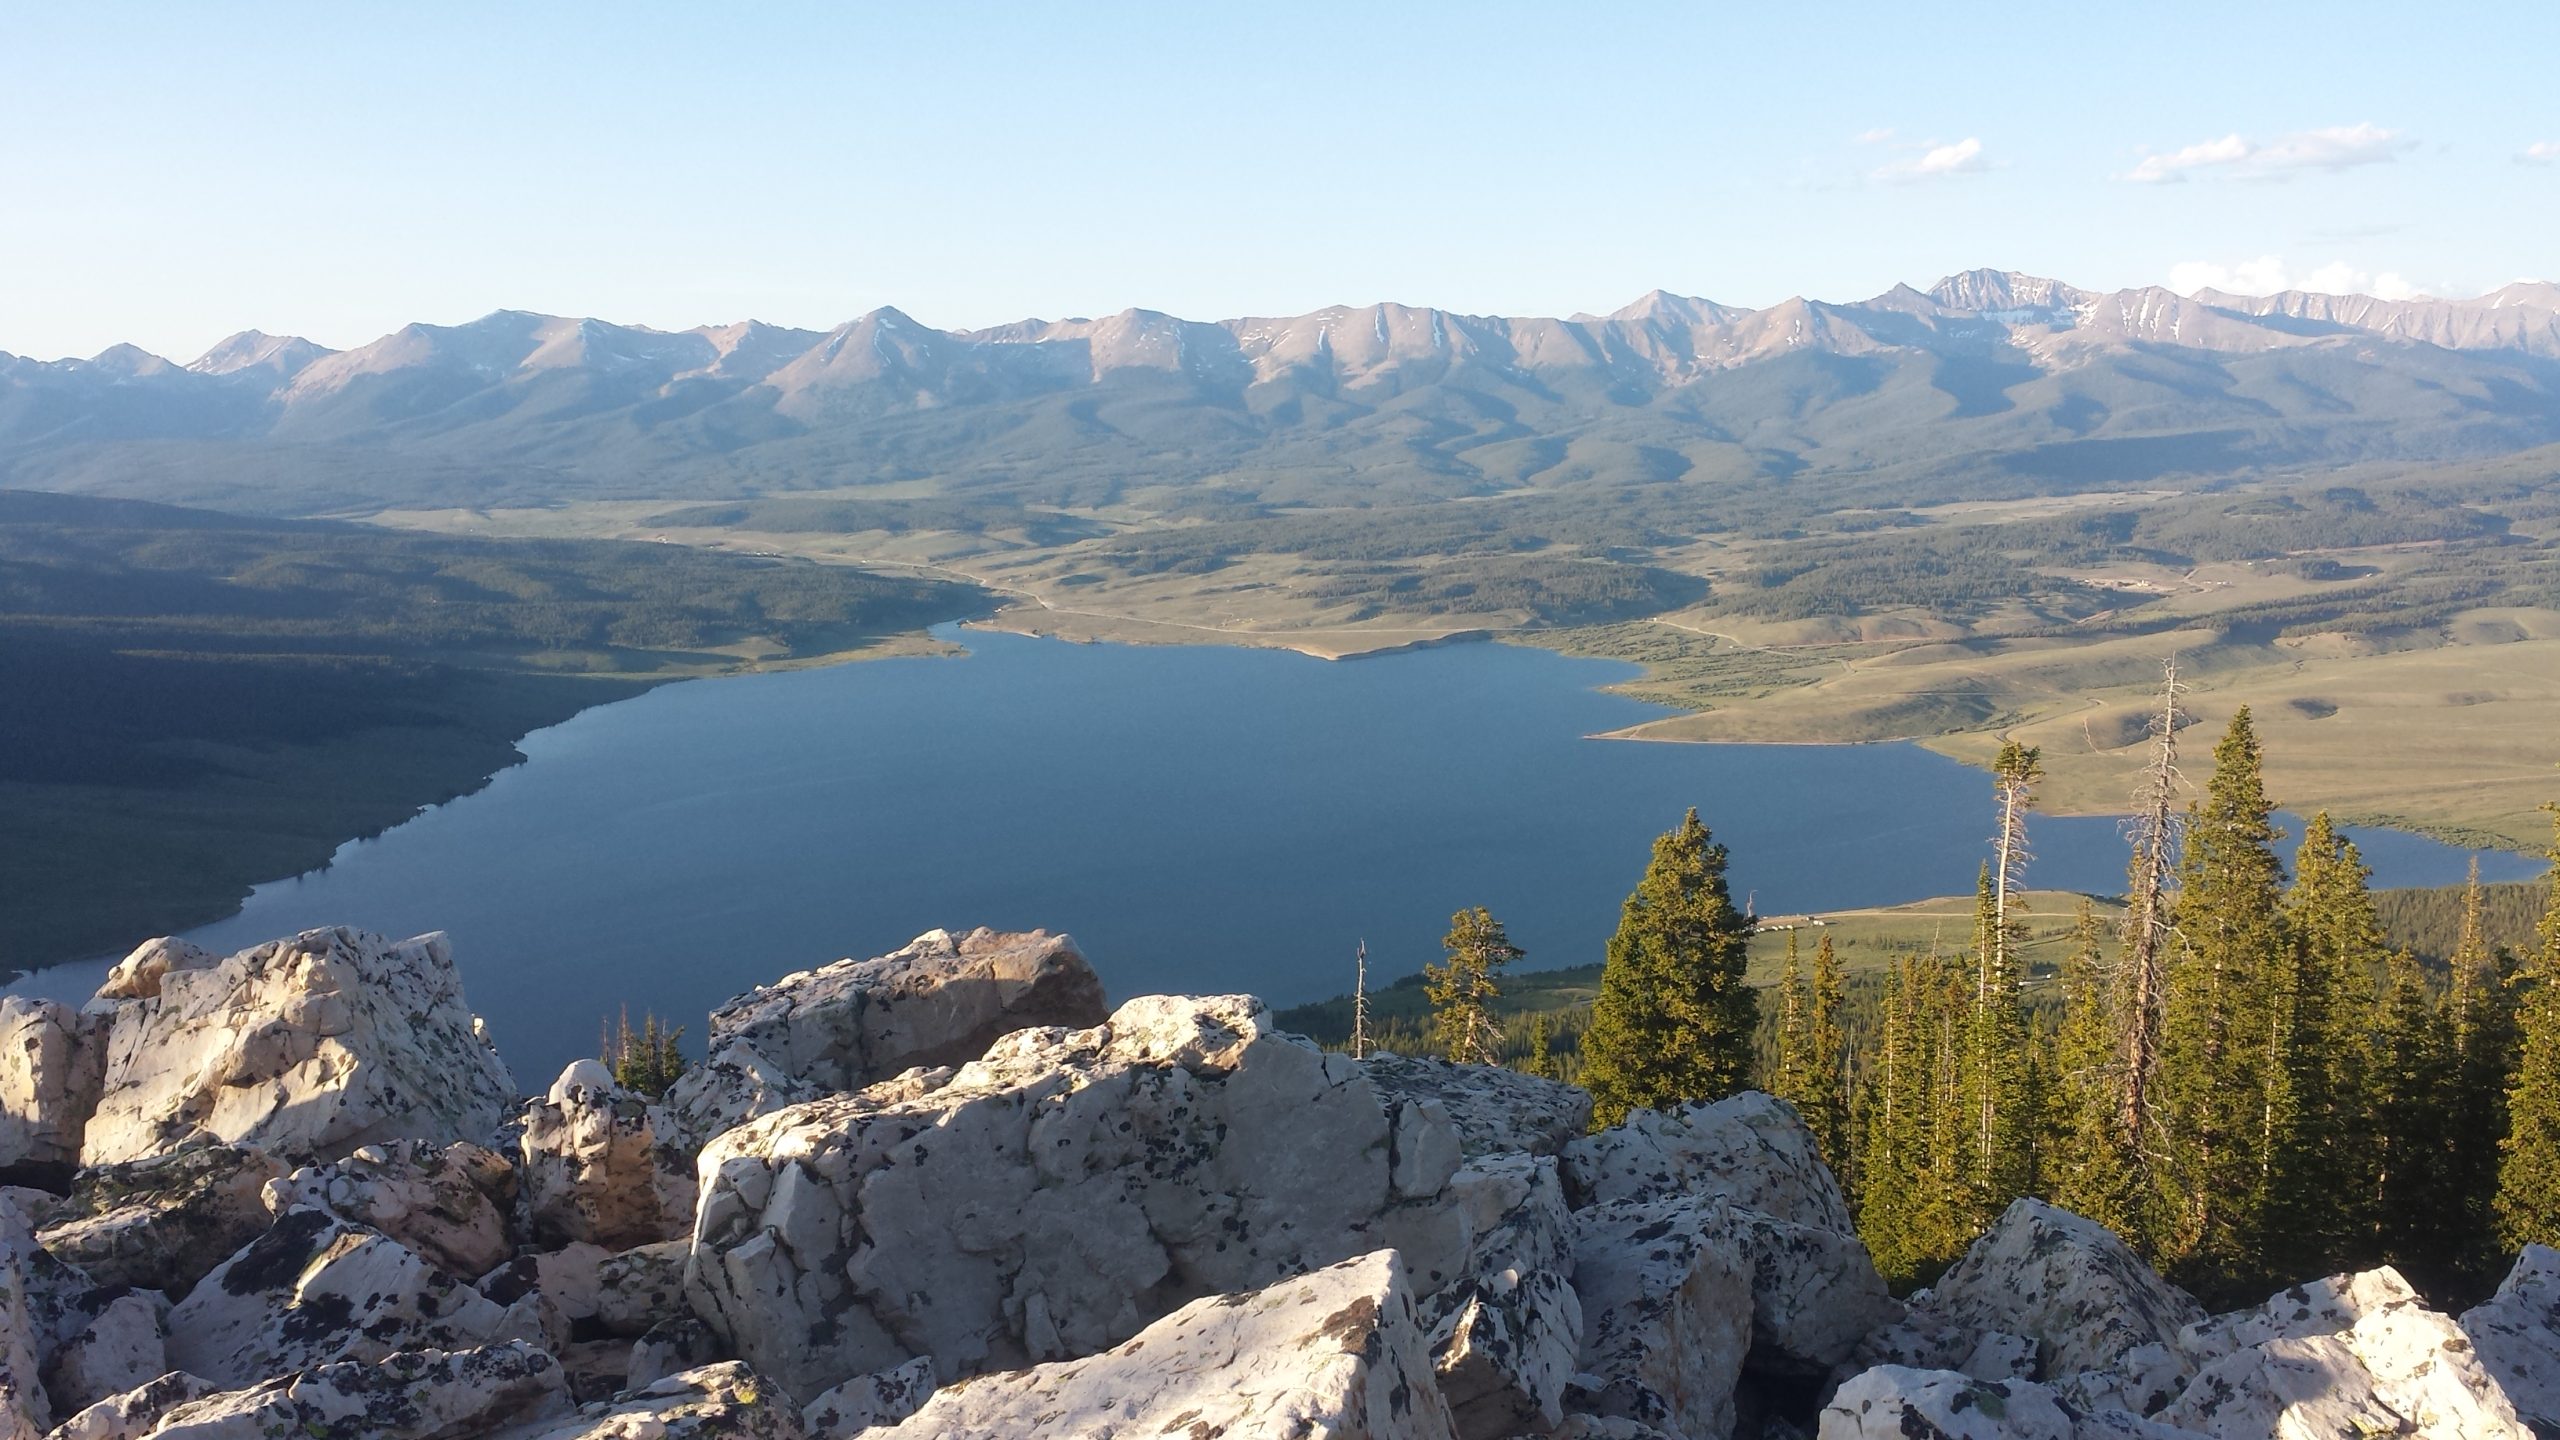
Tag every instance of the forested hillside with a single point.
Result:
(200, 701)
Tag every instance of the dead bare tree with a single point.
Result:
(2143, 978)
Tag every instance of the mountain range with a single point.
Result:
(1988, 382)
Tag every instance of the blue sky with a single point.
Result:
(170, 174)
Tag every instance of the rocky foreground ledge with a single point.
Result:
(946, 1192)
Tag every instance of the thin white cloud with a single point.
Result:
(1964, 157)
(2541, 152)
(1877, 136)
(2338, 147)
(2269, 275)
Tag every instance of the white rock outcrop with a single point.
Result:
(1051, 1199)
(602, 1165)
(50, 1064)
(2517, 1335)
(940, 1001)
(2074, 1291)
(444, 1201)
(2399, 1369)
(1751, 1150)
(121, 1347)
(136, 1412)
(315, 1289)
(1336, 1352)
(869, 1401)
(1506, 1332)
(1666, 1305)
(1492, 1109)
(1893, 1402)
(724, 1401)
(306, 1048)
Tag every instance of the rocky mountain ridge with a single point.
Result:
(1984, 364)
(946, 1192)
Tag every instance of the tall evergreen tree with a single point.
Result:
(2528, 1199)
(1909, 1159)
(1463, 988)
(2212, 1091)
(1826, 1110)
(1793, 1080)
(2321, 1006)
(2090, 1171)
(2481, 1003)
(2408, 1137)
(1998, 1138)
(1673, 1022)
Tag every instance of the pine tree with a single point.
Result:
(2412, 1068)
(2528, 1199)
(1894, 1159)
(2481, 1004)
(1673, 1022)
(2090, 1171)
(1462, 990)
(647, 1060)
(2321, 1005)
(1541, 1060)
(1793, 1079)
(2212, 1088)
(1997, 1143)
(1826, 1108)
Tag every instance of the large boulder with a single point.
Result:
(871, 1401)
(443, 1201)
(1492, 1108)
(413, 1395)
(724, 1401)
(2068, 1285)
(1337, 1352)
(2517, 1335)
(2326, 1306)
(315, 1289)
(1051, 1199)
(163, 1221)
(1666, 1305)
(1506, 1332)
(602, 1165)
(136, 1412)
(1750, 1149)
(307, 1048)
(1815, 1290)
(119, 1348)
(2399, 1369)
(942, 1000)
(50, 1065)
(137, 976)
(1893, 1402)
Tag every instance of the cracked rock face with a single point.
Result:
(1337, 1352)
(1749, 1149)
(315, 1289)
(50, 1062)
(306, 1048)
(940, 1001)
(2517, 1335)
(1494, 1110)
(1050, 1200)
(601, 1164)
(162, 1222)
(2069, 1286)
(441, 1201)
(1666, 1305)
(1507, 1332)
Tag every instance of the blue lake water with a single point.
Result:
(1201, 819)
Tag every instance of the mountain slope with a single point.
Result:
(1987, 381)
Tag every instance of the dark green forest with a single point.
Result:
(197, 702)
